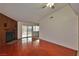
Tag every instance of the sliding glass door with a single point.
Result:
(26, 31)
(30, 31)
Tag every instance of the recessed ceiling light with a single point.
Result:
(51, 17)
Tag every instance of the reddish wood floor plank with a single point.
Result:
(35, 48)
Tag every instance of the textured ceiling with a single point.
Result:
(31, 12)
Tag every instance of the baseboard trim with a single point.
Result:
(60, 46)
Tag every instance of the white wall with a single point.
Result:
(62, 29)
(20, 28)
(78, 37)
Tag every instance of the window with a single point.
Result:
(35, 28)
(36, 31)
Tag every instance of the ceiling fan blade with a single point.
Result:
(44, 6)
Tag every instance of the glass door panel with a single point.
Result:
(36, 31)
(29, 31)
(24, 31)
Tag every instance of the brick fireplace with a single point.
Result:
(8, 29)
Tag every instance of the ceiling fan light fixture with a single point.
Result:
(50, 5)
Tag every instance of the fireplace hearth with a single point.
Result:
(10, 36)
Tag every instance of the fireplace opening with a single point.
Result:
(10, 36)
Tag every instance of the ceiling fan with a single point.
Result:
(50, 5)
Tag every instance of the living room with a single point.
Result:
(39, 29)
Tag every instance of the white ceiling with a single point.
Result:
(75, 7)
(31, 12)
(27, 11)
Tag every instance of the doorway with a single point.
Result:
(30, 31)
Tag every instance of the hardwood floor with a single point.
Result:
(35, 48)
